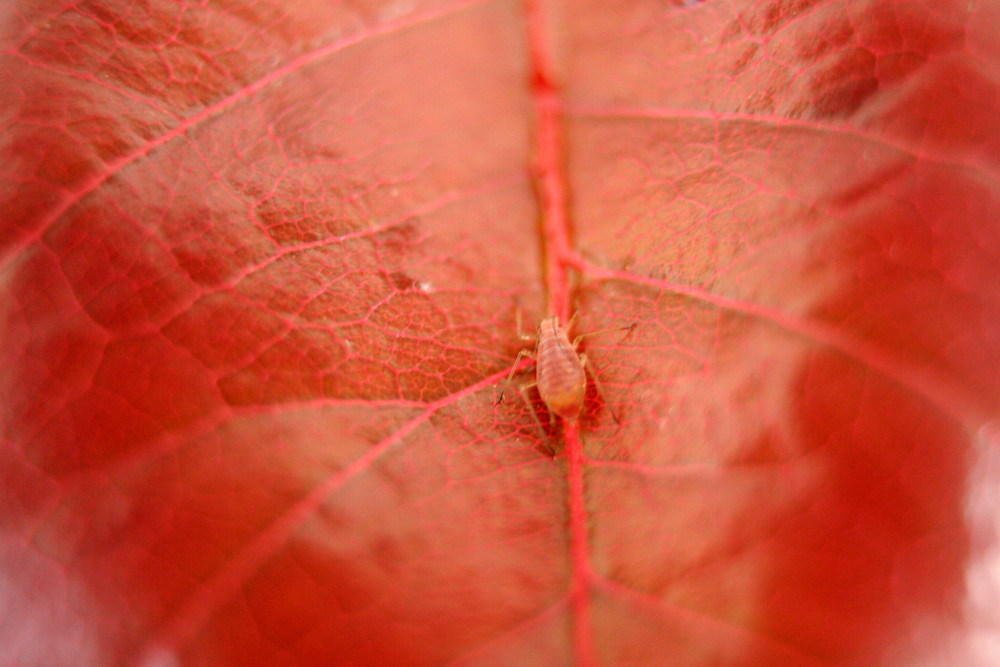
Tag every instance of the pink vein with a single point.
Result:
(555, 229)
(96, 180)
(481, 654)
(923, 152)
(949, 397)
(181, 628)
(780, 652)
(579, 548)
(555, 223)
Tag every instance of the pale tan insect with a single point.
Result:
(560, 372)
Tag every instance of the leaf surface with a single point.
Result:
(261, 269)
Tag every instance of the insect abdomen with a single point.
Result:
(562, 381)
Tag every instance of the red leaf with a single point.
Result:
(261, 268)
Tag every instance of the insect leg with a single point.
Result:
(576, 341)
(597, 386)
(569, 325)
(513, 369)
(534, 415)
(520, 332)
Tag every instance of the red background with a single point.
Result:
(259, 270)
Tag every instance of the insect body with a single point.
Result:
(560, 372)
(561, 378)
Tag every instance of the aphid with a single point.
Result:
(560, 372)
